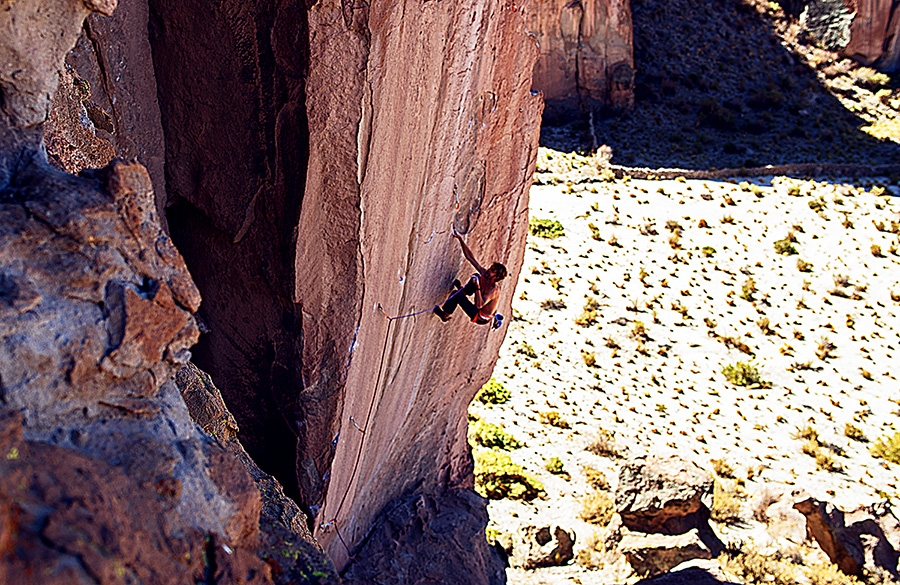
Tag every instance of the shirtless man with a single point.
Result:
(484, 285)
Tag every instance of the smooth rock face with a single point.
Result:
(653, 554)
(663, 495)
(587, 57)
(421, 540)
(852, 540)
(546, 546)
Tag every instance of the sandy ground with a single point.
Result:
(666, 393)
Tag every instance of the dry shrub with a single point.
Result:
(604, 445)
(727, 502)
(597, 507)
(754, 567)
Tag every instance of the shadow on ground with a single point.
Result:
(716, 88)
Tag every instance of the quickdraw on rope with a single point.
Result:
(333, 522)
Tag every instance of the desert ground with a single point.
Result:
(623, 323)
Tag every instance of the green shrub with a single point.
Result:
(555, 466)
(785, 247)
(493, 392)
(708, 251)
(552, 418)
(493, 437)
(497, 477)
(545, 228)
(743, 374)
(887, 448)
(851, 431)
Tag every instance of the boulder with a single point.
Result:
(853, 541)
(664, 495)
(421, 540)
(653, 554)
(545, 546)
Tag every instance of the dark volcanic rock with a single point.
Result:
(422, 539)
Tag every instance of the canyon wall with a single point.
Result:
(865, 30)
(586, 54)
(309, 161)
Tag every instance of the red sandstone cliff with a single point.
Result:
(315, 158)
(875, 33)
(586, 55)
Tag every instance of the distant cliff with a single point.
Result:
(587, 57)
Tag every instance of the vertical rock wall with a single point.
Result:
(586, 59)
(447, 137)
(875, 33)
(317, 158)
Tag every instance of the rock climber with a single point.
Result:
(484, 285)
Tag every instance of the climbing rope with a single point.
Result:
(334, 522)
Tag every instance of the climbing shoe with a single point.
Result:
(440, 313)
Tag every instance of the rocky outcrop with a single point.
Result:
(424, 540)
(316, 158)
(547, 546)
(654, 554)
(355, 137)
(855, 540)
(586, 58)
(663, 495)
(104, 476)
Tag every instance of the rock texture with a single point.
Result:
(654, 554)
(852, 541)
(547, 546)
(424, 540)
(663, 495)
(586, 58)
(866, 30)
(104, 476)
(354, 137)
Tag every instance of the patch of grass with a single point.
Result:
(597, 508)
(748, 289)
(876, 251)
(785, 247)
(590, 315)
(708, 251)
(722, 468)
(526, 350)
(887, 448)
(493, 436)
(818, 204)
(604, 444)
(545, 228)
(751, 566)
(590, 358)
(803, 265)
(825, 350)
(825, 461)
(591, 555)
(497, 477)
(595, 231)
(554, 419)
(727, 502)
(553, 304)
(595, 478)
(555, 466)
(743, 374)
(851, 431)
(493, 392)
(826, 573)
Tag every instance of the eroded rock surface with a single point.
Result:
(587, 58)
(425, 540)
(664, 495)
